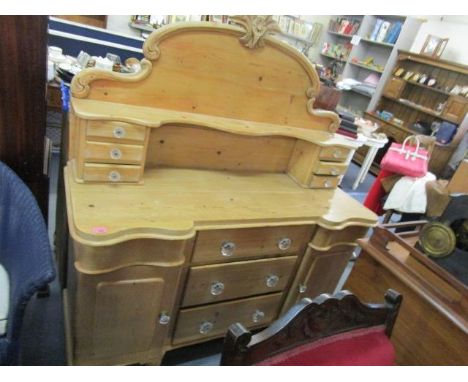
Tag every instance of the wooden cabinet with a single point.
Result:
(23, 50)
(409, 101)
(195, 201)
(456, 109)
(394, 87)
(432, 325)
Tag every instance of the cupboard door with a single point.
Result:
(126, 316)
(394, 88)
(319, 273)
(456, 108)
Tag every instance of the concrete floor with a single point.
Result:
(43, 339)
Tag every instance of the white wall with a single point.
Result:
(453, 27)
(119, 24)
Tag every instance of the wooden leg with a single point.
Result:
(387, 216)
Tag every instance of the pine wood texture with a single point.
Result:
(202, 68)
(194, 188)
(224, 314)
(250, 243)
(239, 279)
(191, 200)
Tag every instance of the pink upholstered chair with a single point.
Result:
(327, 331)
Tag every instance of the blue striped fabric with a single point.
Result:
(24, 252)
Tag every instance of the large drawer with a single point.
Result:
(235, 244)
(213, 283)
(214, 320)
(103, 152)
(115, 131)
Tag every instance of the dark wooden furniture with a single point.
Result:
(432, 327)
(23, 53)
(99, 21)
(306, 322)
(410, 101)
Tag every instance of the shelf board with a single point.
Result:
(419, 108)
(403, 127)
(340, 34)
(332, 57)
(366, 67)
(361, 93)
(143, 27)
(428, 87)
(378, 43)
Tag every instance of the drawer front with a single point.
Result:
(205, 322)
(212, 283)
(235, 244)
(322, 181)
(113, 153)
(330, 168)
(115, 131)
(111, 173)
(334, 154)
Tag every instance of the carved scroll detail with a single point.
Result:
(80, 85)
(335, 120)
(256, 28)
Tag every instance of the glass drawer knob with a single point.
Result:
(334, 171)
(164, 318)
(217, 288)
(114, 176)
(258, 316)
(227, 248)
(327, 184)
(336, 153)
(116, 153)
(302, 288)
(206, 327)
(284, 243)
(119, 132)
(272, 281)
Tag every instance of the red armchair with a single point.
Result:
(327, 331)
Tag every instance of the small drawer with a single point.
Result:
(214, 320)
(111, 173)
(235, 244)
(321, 181)
(334, 154)
(330, 168)
(115, 131)
(113, 153)
(212, 283)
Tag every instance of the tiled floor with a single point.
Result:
(43, 339)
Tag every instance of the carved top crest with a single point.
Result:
(256, 28)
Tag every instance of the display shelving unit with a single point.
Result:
(384, 54)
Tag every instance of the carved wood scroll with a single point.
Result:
(256, 28)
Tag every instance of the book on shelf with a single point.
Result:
(375, 31)
(344, 25)
(383, 31)
(393, 33)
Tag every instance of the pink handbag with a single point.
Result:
(405, 159)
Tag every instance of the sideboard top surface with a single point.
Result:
(175, 203)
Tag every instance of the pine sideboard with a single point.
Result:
(201, 191)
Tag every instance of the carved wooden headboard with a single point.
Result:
(217, 69)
